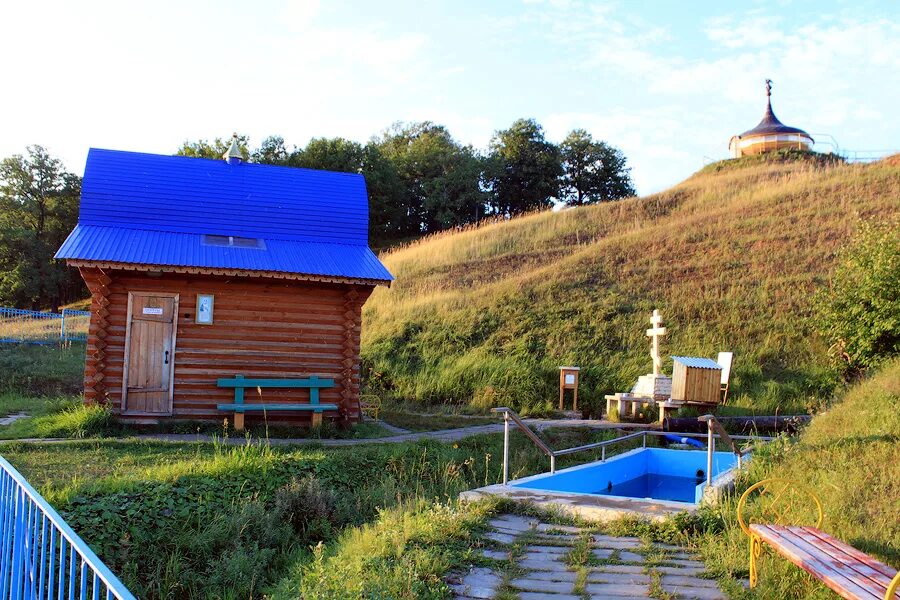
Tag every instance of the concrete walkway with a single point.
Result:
(443, 435)
(539, 561)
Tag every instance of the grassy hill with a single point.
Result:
(730, 256)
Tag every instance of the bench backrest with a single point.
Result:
(310, 382)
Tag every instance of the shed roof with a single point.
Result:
(154, 209)
(697, 363)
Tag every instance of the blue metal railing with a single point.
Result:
(40, 556)
(29, 326)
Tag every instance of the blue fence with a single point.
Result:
(29, 326)
(40, 556)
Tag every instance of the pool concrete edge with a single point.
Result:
(590, 507)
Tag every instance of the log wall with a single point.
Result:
(261, 328)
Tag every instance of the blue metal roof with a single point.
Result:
(698, 363)
(154, 209)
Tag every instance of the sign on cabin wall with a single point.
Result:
(205, 309)
(152, 310)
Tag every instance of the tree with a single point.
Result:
(330, 154)
(271, 152)
(214, 149)
(859, 313)
(594, 171)
(441, 177)
(524, 169)
(38, 209)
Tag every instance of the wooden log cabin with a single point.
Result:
(205, 271)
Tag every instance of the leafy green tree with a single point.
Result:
(38, 209)
(594, 171)
(524, 169)
(271, 152)
(442, 178)
(330, 154)
(859, 313)
(214, 149)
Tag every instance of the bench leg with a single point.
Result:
(755, 551)
(316, 419)
(238, 421)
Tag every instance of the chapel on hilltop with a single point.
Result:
(771, 134)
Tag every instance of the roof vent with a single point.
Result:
(234, 155)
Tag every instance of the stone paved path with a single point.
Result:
(539, 561)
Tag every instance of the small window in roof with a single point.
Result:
(231, 241)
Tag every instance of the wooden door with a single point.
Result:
(149, 353)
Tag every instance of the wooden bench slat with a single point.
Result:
(311, 382)
(833, 549)
(276, 407)
(805, 556)
(885, 571)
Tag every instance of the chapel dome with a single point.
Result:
(770, 134)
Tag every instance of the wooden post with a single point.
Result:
(238, 421)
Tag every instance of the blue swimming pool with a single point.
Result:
(655, 473)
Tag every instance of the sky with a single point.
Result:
(668, 82)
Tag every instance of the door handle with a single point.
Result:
(166, 360)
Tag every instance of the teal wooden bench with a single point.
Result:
(239, 383)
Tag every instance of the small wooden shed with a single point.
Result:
(696, 379)
(202, 271)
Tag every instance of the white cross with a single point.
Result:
(656, 332)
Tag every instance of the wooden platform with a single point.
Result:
(844, 569)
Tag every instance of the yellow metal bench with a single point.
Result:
(844, 569)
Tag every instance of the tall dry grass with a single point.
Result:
(730, 257)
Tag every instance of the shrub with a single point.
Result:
(309, 507)
(859, 313)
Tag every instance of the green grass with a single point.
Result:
(850, 457)
(204, 520)
(484, 317)
(36, 370)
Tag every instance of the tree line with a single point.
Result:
(420, 180)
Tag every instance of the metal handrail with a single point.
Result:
(711, 436)
(508, 414)
(41, 556)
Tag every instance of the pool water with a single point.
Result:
(652, 485)
(659, 473)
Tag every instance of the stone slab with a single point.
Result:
(602, 553)
(550, 549)
(513, 522)
(623, 543)
(618, 589)
(619, 569)
(495, 554)
(479, 582)
(688, 581)
(680, 570)
(626, 556)
(629, 578)
(500, 538)
(695, 593)
(553, 529)
(555, 575)
(542, 585)
(544, 596)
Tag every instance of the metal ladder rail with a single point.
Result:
(508, 414)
